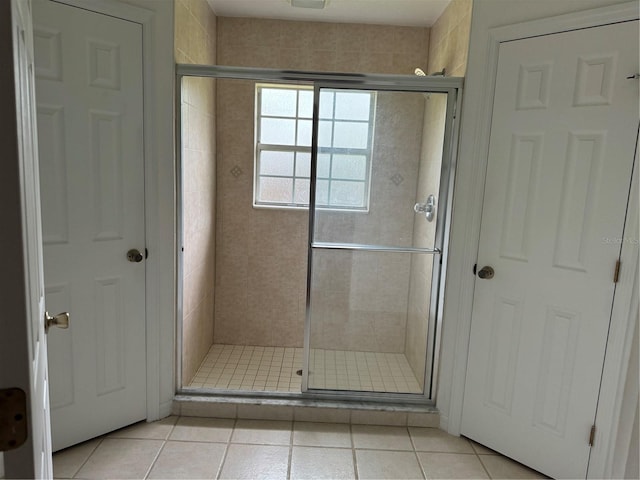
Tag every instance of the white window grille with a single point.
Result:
(283, 147)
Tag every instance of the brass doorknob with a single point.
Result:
(486, 272)
(134, 255)
(60, 320)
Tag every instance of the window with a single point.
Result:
(283, 147)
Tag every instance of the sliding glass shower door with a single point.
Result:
(378, 191)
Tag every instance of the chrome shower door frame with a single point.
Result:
(452, 86)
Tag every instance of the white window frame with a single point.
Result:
(260, 147)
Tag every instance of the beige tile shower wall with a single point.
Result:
(261, 255)
(449, 41)
(195, 42)
(448, 48)
(195, 32)
(336, 47)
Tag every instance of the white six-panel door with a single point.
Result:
(561, 154)
(23, 342)
(90, 120)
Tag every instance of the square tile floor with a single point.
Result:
(208, 448)
(242, 367)
(273, 369)
(362, 371)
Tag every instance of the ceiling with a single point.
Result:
(422, 13)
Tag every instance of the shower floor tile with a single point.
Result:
(362, 371)
(241, 367)
(273, 369)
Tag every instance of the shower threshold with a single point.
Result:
(274, 369)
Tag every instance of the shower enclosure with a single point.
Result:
(366, 162)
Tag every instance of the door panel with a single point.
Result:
(89, 92)
(23, 343)
(373, 255)
(561, 155)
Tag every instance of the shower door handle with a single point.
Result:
(428, 207)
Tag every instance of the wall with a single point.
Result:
(449, 41)
(261, 254)
(195, 42)
(468, 192)
(448, 49)
(335, 47)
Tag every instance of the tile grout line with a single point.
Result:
(353, 450)
(164, 443)
(155, 459)
(322, 447)
(88, 457)
(481, 462)
(290, 447)
(226, 450)
(478, 455)
(415, 452)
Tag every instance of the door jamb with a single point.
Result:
(159, 208)
(460, 283)
(612, 404)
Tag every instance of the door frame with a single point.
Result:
(156, 20)
(465, 238)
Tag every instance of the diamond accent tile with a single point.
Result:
(236, 171)
(397, 179)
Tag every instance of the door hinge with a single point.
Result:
(13, 418)
(616, 272)
(592, 435)
(475, 268)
